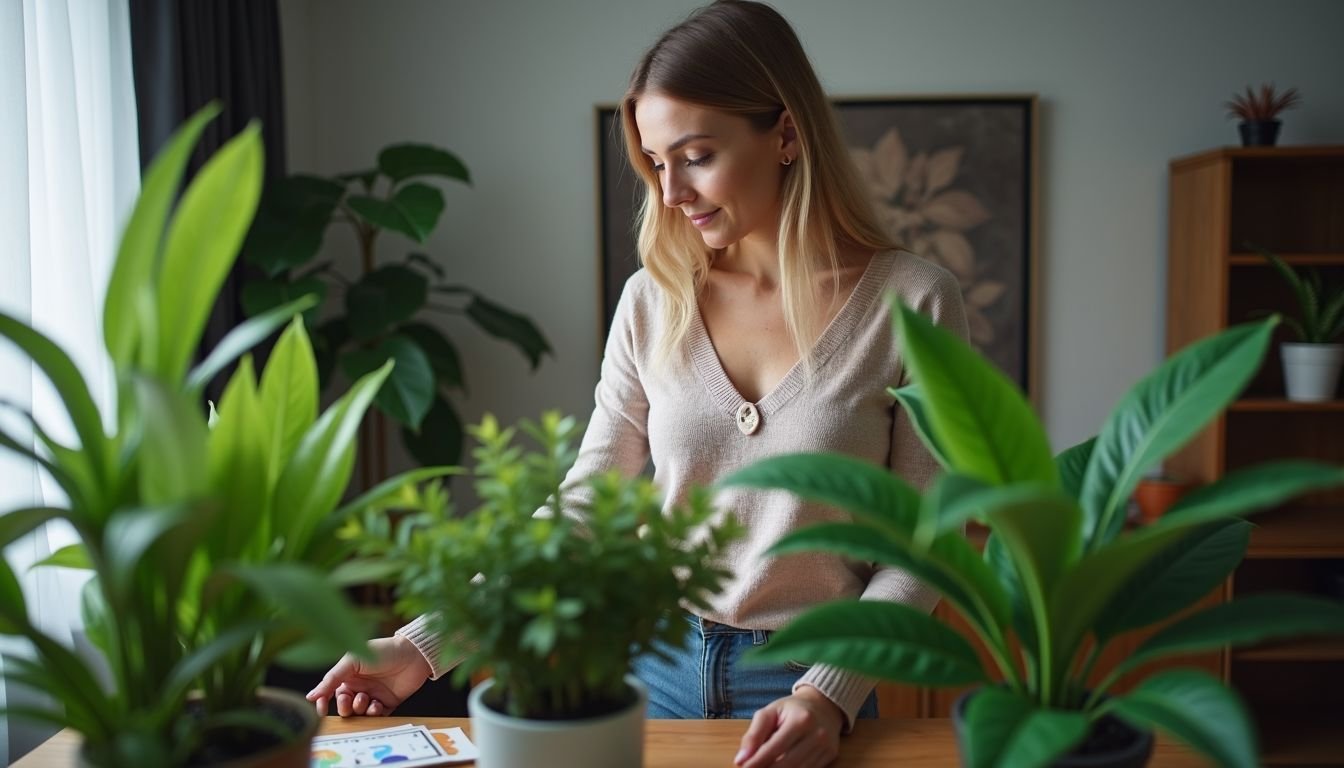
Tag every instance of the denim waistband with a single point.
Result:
(707, 628)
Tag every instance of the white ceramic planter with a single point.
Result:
(1311, 371)
(610, 741)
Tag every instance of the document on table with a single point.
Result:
(409, 746)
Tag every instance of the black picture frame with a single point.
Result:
(954, 178)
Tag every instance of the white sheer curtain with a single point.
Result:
(69, 173)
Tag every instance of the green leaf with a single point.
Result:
(288, 395)
(1041, 530)
(18, 523)
(413, 211)
(407, 394)
(315, 478)
(1004, 729)
(1160, 414)
(402, 161)
(440, 438)
(886, 640)
(306, 597)
(1194, 708)
(13, 605)
(291, 222)
(862, 489)
(263, 297)
(911, 398)
(440, 351)
(365, 177)
(98, 620)
(327, 340)
(1252, 619)
(130, 534)
(1000, 563)
(1252, 489)
(1072, 465)
(948, 505)
(70, 556)
(203, 239)
(173, 448)
(243, 467)
(384, 297)
(511, 327)
(1177, 577)
(977, 415)
(244, 337)
(356, 573)
(138, 256)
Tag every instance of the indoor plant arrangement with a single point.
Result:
(384, 311)
(1059, 574)
(1311, 365)
(208, 537)
(1259, 112)
(562, 603)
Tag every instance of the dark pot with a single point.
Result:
(1111, 744)
(1259, 133)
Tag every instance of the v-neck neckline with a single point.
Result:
(706, 358)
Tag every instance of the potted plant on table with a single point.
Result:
(1059, 574)
(208, 538)
(1311, 365)
(1259, 111)
(555, 606)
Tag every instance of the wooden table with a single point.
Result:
(693, 743)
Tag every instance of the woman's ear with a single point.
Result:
(788, 133)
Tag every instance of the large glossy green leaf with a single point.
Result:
(266, 296)
(70, 556)
(244, 337)
(864, 490)
(439, 440)
(1256, 618)
(1000, 564)
(885, 640)
(1160, 414)
(1194, 708)
(172, 466)
(977, 415)
(383, 298)
(313, 482)
(911, 398)
(243, 468)
(1004, 729)
(291, 221)
(1178, 576)
(402, 161)
(138, 257)
(1072, 465)
(413, 211)
(407, 394)
(288, 395)
(203, 239)
(308, 598)
(1253, 489)
(510, 326)
(442, 354)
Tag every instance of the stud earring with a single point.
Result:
(786, 161)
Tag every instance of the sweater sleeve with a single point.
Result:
(912, 462)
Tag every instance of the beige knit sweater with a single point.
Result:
(687, 422)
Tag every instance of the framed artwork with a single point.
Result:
(953, 178)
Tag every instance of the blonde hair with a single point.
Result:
(743, 58)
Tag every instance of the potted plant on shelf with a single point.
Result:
(1059, 574)
(1311, 365)
(208, 538)
(385, 311)
(555, 606)
(1259, 111)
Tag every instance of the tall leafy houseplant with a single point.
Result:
(383, 312)
(562, 603)
(1059, 574)
(1311, 365)
(210, 547)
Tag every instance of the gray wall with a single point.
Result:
(510, 86)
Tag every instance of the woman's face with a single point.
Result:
(718, 170)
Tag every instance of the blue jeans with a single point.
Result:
(706, 679)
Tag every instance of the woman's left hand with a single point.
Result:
(798, 731)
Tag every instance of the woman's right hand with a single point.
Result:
(375, 687)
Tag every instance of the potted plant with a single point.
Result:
(562, 603)
(1059, 574)
(385, 310)
(1311, 365)
(1258, 112)
(1158, 493)
(210, 547)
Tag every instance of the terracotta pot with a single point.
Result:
(1156, 495)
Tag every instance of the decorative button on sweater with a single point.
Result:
(748, 418)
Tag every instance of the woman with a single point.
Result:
(757, 327)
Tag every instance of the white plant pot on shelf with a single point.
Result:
(609, 741)
(1311, 371)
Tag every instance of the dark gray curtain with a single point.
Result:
(186, 53)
